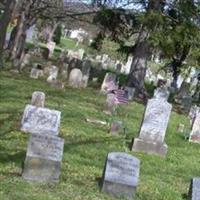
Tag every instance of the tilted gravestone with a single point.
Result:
(38, 99)
(40, 120)
(194, 191)
(195, 133)
(75, 78)
(121, 175)
(153, 129)
(43, 158)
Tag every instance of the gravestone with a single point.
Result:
(121, 175)
(86, 66)
(131, 92)
(118, 68)
(128, 65)
(38, 99)
(161, 92)
(53, 73)
(110, 106)
(195, 133)
(64, 71)
(194, 191)
(26, 60)
(75, 78)
(36, 73)
(186, 103)
(116, 127)
(109, 78)
(194, 110)
(43, 158)
(40, 120)
(51, 46)
(153, 129)
(57, 84)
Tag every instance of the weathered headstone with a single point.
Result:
(194, 110)
(109, 78)
(118, 68)
(53, 73)
(40, 120)
(186, 103)
(195, 133)
(161, 92)
(121, 175)
(86, 66)
(38, 99)
(153, 129)
(43, 158)
(36, 73)
(116, 127)
(194, 191)
(64, 71)
(57, 84)
(26, 60)
(110, 106)
(75, 78)
(131, 92)
(51, 46)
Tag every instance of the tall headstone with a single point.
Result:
(195, 133)
(75, 78)
(53, 73)
(38, 99)
(121, 175)
(186, 103)
(43, 158)
(153, 129)
(39, 120)
(194, 191)
(108, 79)
(86, 66)
(194, 110)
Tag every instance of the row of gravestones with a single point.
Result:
(77, 78)
(121, 171)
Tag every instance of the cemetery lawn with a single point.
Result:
(86, 146)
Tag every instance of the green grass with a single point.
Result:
(86, 146)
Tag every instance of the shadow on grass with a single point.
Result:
(17, 157)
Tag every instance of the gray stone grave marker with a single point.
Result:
(86, 66)
(131, 92)
(75, 78)
(109, 77)
(195, 133)
(53, 73)
(121, 175)
(194, 192)
(153, 129)
(40, 120)
(43, 158)
(38, 99)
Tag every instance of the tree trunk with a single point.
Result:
(142, 52)
(4, 21)
(139, 63)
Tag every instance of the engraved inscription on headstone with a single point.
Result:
(121, 175)
(40, 120)
(194, 192)
(153, 129)
(43, 158)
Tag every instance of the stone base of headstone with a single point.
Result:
(118, 190)
(41, 170)
(150, 147)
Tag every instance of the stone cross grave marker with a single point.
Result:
(40, 120)
(153, 129)
(43, 158)
(194, 192)
(195, 133)
(121, 175)
(38, 99)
